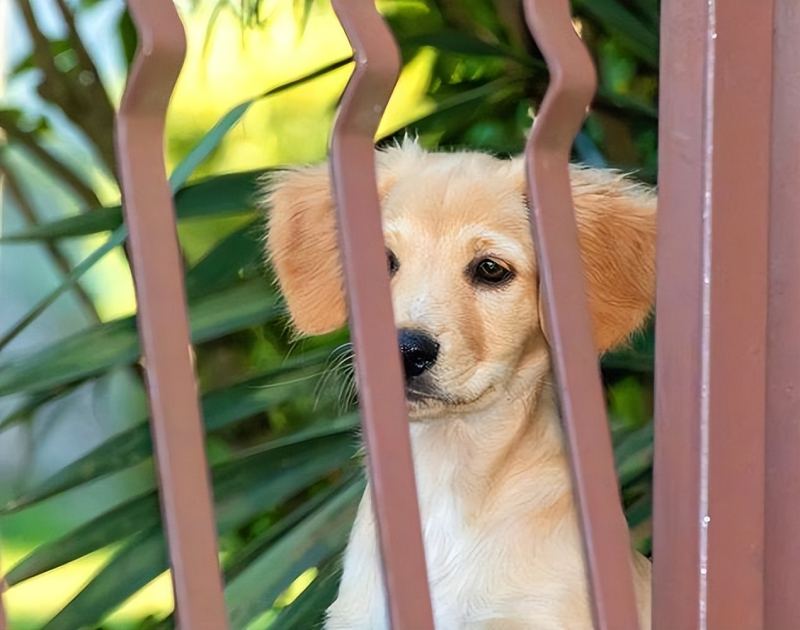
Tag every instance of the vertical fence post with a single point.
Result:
(162, 318)
(572, 86)
(711, 319)
(679, 323)
(782, 514)
(381, 393)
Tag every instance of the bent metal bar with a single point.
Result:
(381, 392)
(555, 233)
(162, 318)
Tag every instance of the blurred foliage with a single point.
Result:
(279, 413)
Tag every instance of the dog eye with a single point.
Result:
(394, 264)
(492, 273)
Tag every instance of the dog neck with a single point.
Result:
(485, 458)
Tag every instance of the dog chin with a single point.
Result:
(429, 406)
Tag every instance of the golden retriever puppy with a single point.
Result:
(502, 539)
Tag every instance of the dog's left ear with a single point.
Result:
(617, 235)
(302, 248)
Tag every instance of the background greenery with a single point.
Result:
(279, 413)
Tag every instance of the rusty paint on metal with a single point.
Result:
(782, 511)
(721, 507)
(381, 392)
(572, 86)
(162, 318)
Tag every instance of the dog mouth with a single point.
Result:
(424, 397)
(421, 397)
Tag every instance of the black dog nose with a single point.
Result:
(419, 351)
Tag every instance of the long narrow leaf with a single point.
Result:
(238, 564)
(625, 26)
(465, 44)
(115, 240)
(314, 540)
(244, 488)
(213, 196)
(308, 610)
(137, 564)
(468, 98)
(221, 267)
(92, 351)
(220, 408)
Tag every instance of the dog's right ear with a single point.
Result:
(303, 250)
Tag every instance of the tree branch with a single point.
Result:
(49, 161)
(79, 93)
(61, 261)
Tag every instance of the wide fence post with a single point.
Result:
(782, 513)
(572, 85)
(714, 182)
(176, 425)
(381, 393)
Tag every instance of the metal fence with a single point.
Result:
(727, 463)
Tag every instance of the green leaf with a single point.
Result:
(244, 487)
(244, 557)
(220, 408)
(618, 21)
(84, 224)
(462, 43)
(138, 563)
(308, 610)
(135, 515)
(92, 351)
(221, 267)
(468, 99)
(221, 194)
(115, 240)
(312, 541)
(634, 455)
(639, 511)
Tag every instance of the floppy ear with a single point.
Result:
(303, 250)
(617, 231)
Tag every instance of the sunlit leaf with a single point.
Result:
(213, 138)
(308, 610)
(314, 540)
(139, 562)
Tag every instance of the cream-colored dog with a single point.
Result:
(502, 540)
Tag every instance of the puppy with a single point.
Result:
(502, 540)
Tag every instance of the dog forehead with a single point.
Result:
(440, 190)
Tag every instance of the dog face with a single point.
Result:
(464, 274)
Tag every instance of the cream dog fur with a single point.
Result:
(502, 540)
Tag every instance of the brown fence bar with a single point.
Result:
(162, 318)
(710, 376)
(381, 393)
(782, 515)
(679, 324)
(572, 86)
